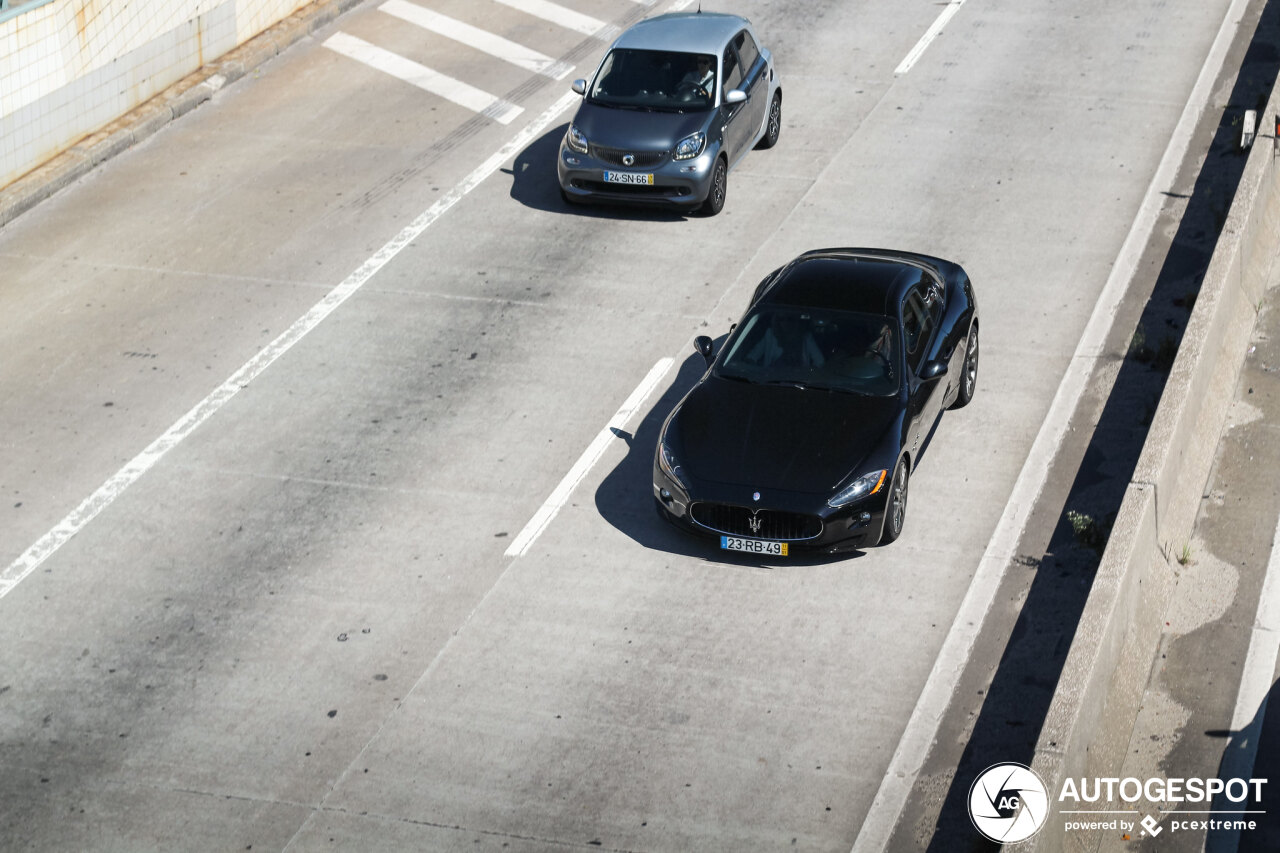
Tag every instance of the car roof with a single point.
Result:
(870, 281)
(686, 32)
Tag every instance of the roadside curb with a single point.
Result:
(179, 99)
(1087, 730)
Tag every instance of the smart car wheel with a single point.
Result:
(969, 379)
(719, 186)
(895, 512)
(774, 127)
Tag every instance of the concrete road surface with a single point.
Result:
(261, 590)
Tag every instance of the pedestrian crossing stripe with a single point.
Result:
(462, 94)
(474, 37)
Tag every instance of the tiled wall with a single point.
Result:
(69, 66)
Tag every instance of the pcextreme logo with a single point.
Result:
(1008, 803)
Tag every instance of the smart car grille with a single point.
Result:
(657, 190)
(769, 524)
(613, 156)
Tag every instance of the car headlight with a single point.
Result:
(575, 140)
(691, 146)
(867, 484)
(670, 465)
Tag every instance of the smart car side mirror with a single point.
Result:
(735, 96)
(704, 345)
(579, 86)
(934, 370)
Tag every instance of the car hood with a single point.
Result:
(641, 130)
(779, 436)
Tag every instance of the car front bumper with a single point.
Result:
(682, 183)
(804, 521)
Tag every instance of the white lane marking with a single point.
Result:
(474, 37)
(922, 727)
(930, 34)
(1256, 680)
(558, 15)
(462, 94)
(560, 495)
(48, 544)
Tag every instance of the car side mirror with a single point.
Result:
(735, 96)
(934, 370)
(704, 345)
(579, 86)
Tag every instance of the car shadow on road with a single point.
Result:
(534, 184)
(625, 496)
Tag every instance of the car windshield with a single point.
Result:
(836, 350)
(656, 80)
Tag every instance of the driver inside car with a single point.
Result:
(702, 78)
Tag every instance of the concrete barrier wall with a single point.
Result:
(68, 67)
(123, 128)
(1095, 706)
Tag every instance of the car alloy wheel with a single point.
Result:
(719, 186)
(969, 379)
(895, 514)
(774, 128)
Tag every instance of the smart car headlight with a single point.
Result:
(575, 140)
(867, 484)
(670, 465)
(691, 146)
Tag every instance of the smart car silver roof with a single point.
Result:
(687, 32)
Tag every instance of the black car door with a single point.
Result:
(924, 394)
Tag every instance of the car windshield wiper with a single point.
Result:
(736, 377)
(810, 386)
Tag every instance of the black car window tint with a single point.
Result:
(747, 50)
(652, 80)
(747, 338)
(915, 327)
(732, 71)
(933, 301)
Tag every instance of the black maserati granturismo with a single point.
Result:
(806, 425)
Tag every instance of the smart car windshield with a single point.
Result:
(655, 80)
(836, 350)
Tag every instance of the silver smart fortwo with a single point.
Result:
(675, 104)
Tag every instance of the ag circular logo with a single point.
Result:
(1008, 803)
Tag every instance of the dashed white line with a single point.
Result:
(560, 495)
(462, 94)
(557, 14)
(928, 37)
(474, 37)
(108, 492)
